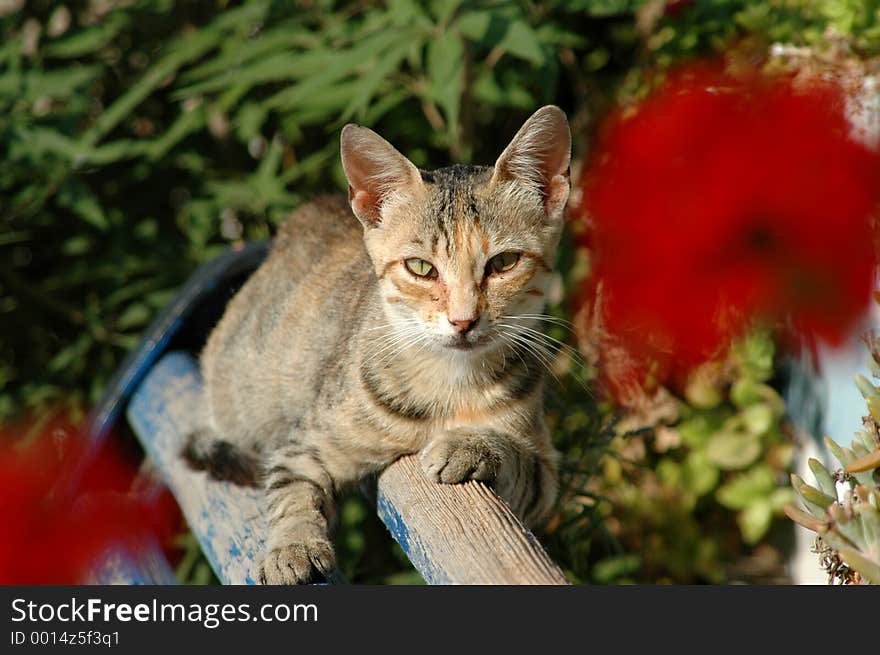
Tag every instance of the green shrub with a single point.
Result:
(139, 138)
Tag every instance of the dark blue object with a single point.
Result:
(183, 325)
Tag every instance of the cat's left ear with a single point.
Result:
(376, 173)
(539, 157)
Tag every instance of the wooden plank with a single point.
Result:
(459, 534)
(122, 567)
(227, 519)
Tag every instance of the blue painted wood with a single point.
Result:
(227, 519)
(418, 555)
(122, 567)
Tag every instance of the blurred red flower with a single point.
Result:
(722, 199)
(62, 506)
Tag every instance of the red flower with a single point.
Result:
(723, 199)
(61, 507)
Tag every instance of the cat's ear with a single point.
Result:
(376, 172)
(539, 156)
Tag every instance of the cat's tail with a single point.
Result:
(222, 460)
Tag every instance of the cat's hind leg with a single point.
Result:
(222, 460)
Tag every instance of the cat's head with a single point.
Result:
(463, 254)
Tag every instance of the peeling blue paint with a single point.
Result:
(159, 413)
(416, 550)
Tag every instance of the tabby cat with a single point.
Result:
(413, 330)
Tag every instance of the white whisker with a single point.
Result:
(535, 348)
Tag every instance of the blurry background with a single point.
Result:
(139, 138)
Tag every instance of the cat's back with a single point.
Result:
(317, 231)
(315, 273)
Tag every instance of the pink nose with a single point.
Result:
(463, 326)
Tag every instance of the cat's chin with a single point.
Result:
(466, 345)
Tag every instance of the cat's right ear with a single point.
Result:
(376, 172)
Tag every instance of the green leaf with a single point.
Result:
(869, 518)
(746, 391)
(603, 8)
(815, 496)
(276, 67)
(669, 472)
(823, 477)
(758, 419)
(75, 196)
(612, 568)
(522, 41)
(184, 50)
(754, 521)
(865, 387)
(746, 488)
(476, 25)
(731, 450)
(339, 65)
(407, 13)
(443, 10)
(277, 49)
(445, 69)
(71, 355)
(868, 568)
(249, 120)
(60, 84)
(847, 525)
(135, 315)
(77, 245)
(88, 40)
(368, 85)
(489, 90)
(755, 354)
(700, 475)
(780, 497)
(815, 502)
(843, 455)
(696, 430)
(702, 393)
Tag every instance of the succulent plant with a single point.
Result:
(843, 509)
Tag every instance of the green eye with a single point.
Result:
(419, 267)
(502, 262)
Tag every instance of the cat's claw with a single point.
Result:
(298, 563)
(455, 460)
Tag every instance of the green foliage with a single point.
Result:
(709, 25)
(140, 138)
(686, 492)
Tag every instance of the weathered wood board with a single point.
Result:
(227, 519)
(459, 534)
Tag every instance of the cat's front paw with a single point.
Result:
(455, 459)
(298, 563)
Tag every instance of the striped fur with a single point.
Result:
(334, 359)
